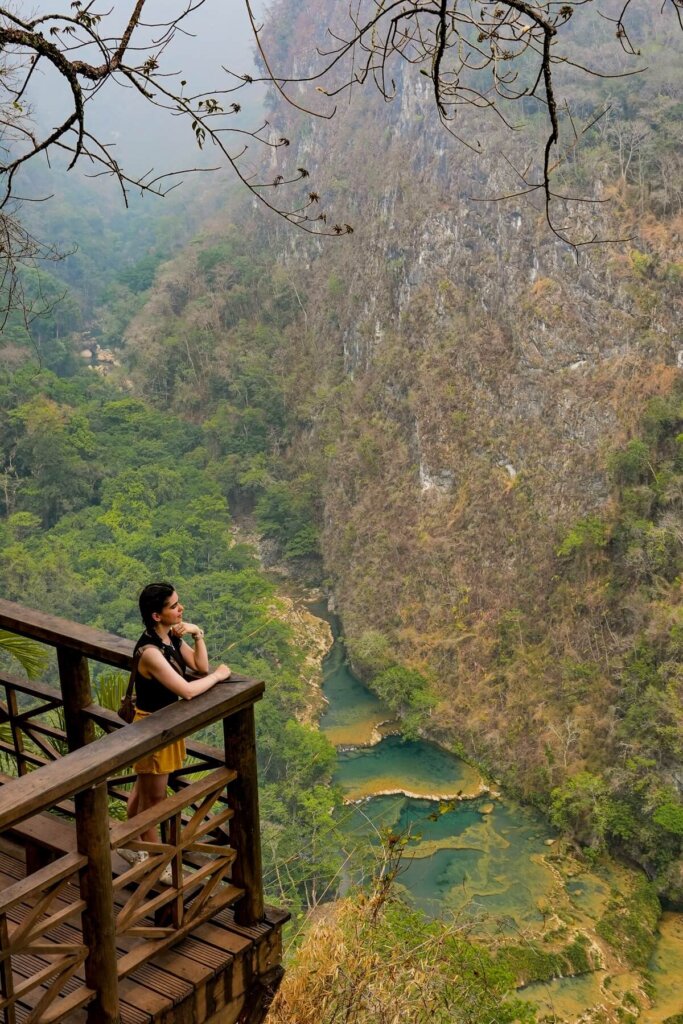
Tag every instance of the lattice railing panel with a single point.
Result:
(199, 859)
(33, 712)
(36, 964)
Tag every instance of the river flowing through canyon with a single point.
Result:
(474, 855)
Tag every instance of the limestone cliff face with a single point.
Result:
(457, 381)
(482, 374)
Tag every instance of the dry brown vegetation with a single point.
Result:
(455, 391)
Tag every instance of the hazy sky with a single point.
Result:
(220, 35)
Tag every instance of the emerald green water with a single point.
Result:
(471, 853)
(458, 859)
(353, 714)
(417, 769)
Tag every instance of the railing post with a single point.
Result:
(17, 738)
(245, 835)
(6, 980)
(92, 830)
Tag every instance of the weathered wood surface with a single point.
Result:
(97, 919)
(200, 976)
(38, 965)
(30, 686)
(49, 629)
(124, 831)
(83, 774)
(92, 764)
(18, 891)
(245, 833)
(92, 830)
(29, 722)
(48, 832)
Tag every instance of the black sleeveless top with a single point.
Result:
(151, 695)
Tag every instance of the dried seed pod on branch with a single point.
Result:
(497, 56)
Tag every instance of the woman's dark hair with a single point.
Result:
(152, 599)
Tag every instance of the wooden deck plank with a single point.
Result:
(139, 1002)
(170, 979)
(149, 990)
(134, 998)
(221, 938)
(274, 917)
(12, 864)
(191, 973)
(176, 974)
(129, 962)
(26, 966)
(183, 973)
(47, 829)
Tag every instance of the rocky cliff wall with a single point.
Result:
(457, 382)
(474, 373)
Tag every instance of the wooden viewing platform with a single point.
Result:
(85, 937)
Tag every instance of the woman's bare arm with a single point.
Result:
(198, 657)
(153, 663)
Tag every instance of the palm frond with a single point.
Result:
(110, 687)
(31, 656)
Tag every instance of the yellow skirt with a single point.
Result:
(161, 762)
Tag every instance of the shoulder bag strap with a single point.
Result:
(133, 673)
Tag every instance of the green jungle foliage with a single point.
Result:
(565, 648)
(406, 692)
(629, 923)
(528, 962)
(102, 494)
(628, 800)
(216, 353)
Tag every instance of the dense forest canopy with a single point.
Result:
(468, 437)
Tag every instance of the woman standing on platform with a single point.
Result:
(161, 680)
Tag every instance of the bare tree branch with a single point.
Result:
(489, 55)
(78, 44)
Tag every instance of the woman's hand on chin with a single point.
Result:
(185, 629)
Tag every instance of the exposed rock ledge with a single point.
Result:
(481, 790)
(314, 637)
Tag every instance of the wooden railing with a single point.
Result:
(79, 769)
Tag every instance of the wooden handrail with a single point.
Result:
(82, 773)
(56, 632)
(94, 763)
(30, 686)
(49, 875)
(29, 721)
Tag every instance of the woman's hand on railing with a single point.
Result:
(188, 690)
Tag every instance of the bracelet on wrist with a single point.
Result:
(199, 635)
